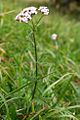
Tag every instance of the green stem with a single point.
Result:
(35, 46)
(39, 20)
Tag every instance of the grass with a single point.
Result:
(58, 91)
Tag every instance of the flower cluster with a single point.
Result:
(44, 10)
(23, 17)
(26, 14)
(30, 10)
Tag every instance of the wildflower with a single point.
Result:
(23, 17)
(26, 14)
(30, 10)
(44, 10)
(54, 36)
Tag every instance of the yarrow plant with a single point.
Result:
(25, 16)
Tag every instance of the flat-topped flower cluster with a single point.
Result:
(26, 14)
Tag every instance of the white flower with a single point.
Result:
(23, 17)
(44, 10)
(26, 14)
(54, 36)
(30, 10)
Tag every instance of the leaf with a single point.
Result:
(55, 83)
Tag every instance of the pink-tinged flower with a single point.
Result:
(21, 17)
(30, 10)
(44, 10)
(54, 36)
(26, 14)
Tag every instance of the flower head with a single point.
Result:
(30, 10)
(26, 14)
(23, 17)
(54, 36)
(44, 10)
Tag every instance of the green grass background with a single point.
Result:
(58, 91)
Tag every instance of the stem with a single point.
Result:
(39, 20)
(35, 46)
